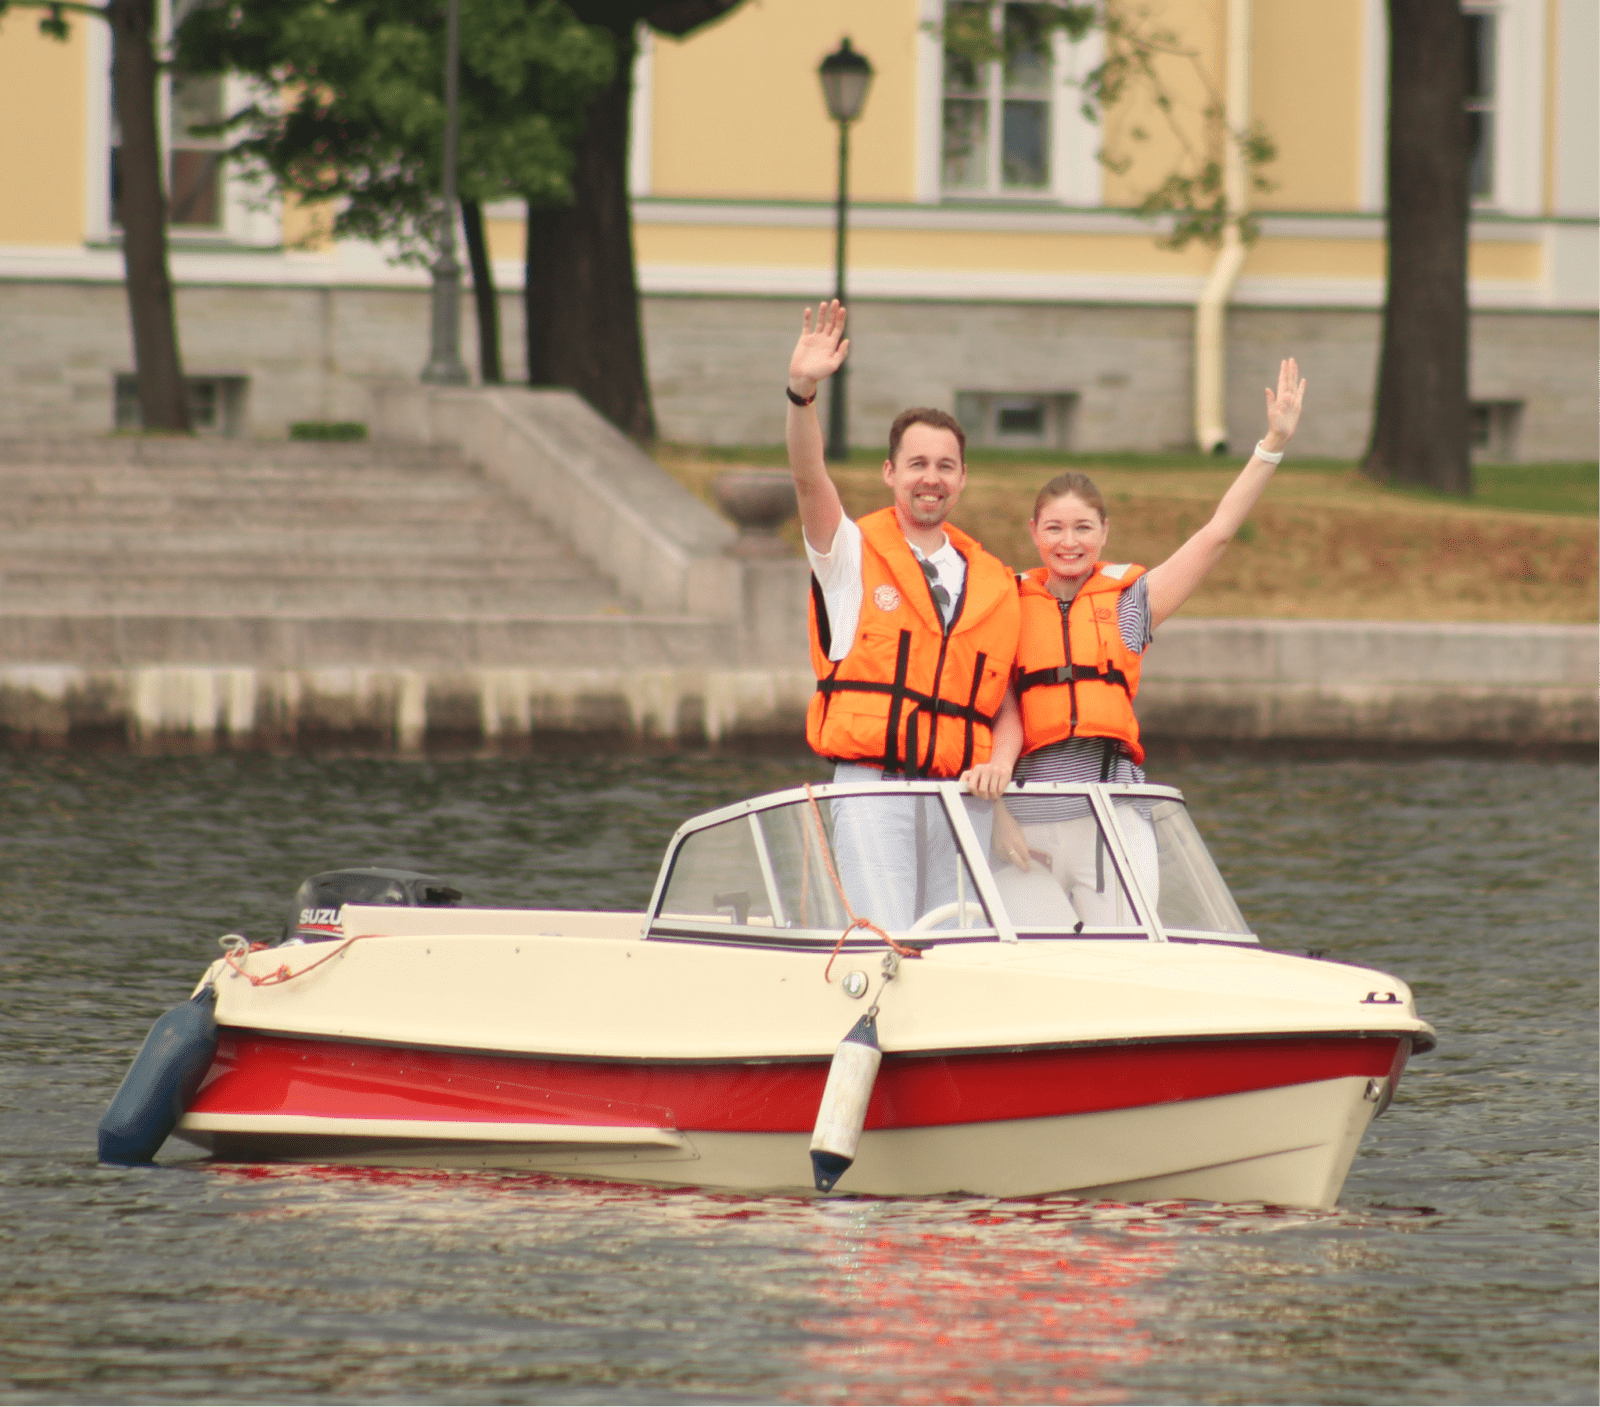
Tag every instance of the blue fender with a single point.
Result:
(161, 1081)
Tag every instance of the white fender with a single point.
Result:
(843, 1110)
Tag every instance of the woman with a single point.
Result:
(1085, 626)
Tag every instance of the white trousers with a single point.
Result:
(898, 857)
(1082, 866)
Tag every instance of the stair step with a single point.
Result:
(160, 453)
(130, 640)
(124, 553)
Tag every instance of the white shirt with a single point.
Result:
(838, 572)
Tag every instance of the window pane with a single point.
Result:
(1027, 51)
(961, 74)
(193, 187)
(1480, 164)
(1026, 145)
(799, 843)
(1480, 55)
(1192, 893)
(895, 857)
(966, 144)
(900, 865)
(968, 45)
(195, 103)
(1020, 418)
(1071, 883)
(716, 878)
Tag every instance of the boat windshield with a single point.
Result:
(1061, 830)
(1050, 861)
(805, 869)
(1193, 898)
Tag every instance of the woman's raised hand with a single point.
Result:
(1283, 407)
(821, 350)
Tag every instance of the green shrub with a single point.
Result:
(328, 430)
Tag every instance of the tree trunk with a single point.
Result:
(484, 296)
(163, 399)
(1420, 422)
(582, 300)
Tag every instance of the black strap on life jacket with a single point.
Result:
(972, 699)
(819, 604)
(900, 695)
(1069, 674)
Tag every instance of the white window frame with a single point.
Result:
(1520, 79)
(641, 115)
(247, 218)
(1076, 176)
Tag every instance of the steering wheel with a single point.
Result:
(965, 907)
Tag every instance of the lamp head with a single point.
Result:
(845, 76)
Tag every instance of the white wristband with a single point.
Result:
(1266, 456)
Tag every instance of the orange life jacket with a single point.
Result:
(1074, 676)
(912, 696)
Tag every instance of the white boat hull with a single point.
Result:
(1290, 1146)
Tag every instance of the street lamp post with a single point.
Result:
(444, 358)
(845, 75)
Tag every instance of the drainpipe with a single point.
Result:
(1210, 378)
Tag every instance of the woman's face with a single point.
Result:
(1070, 536)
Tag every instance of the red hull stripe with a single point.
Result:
(262, 1074)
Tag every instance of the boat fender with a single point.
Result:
(843, 1111)
(161, 1081)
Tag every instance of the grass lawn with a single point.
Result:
(1324, 543)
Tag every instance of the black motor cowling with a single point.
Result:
(314, 918)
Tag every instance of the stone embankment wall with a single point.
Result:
(502, 567)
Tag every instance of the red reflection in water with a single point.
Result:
(1013, 1306)
(917, 1300)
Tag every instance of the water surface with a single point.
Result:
(1460, 1265)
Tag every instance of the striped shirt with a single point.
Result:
(1085, 759)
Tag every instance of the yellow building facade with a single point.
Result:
(995, 265)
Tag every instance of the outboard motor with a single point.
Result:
(314, 918)
(172, 1064)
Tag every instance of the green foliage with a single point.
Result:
(53, 24)
(352, 108)
(1192, 192)
(328, 430)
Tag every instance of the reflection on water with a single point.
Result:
(1459, 1267)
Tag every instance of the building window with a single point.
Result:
(1018, 419)
(216, 404)
(1492, 430)
(194, 161)
(1482, 91)
(997, 111)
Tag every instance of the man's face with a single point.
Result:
(926, 475)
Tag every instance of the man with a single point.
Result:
(913, 633)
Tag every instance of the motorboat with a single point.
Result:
(858, 987)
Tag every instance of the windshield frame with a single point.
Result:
(1102, 797)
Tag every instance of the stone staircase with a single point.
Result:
(492, 567)
(129, 553)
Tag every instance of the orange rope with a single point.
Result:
(855, 923)
(282, 973)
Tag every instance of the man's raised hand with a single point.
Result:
(820, 351)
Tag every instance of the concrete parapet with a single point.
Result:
(1220, 680)
(1376, 681)
(638, 527)
(399, 708)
